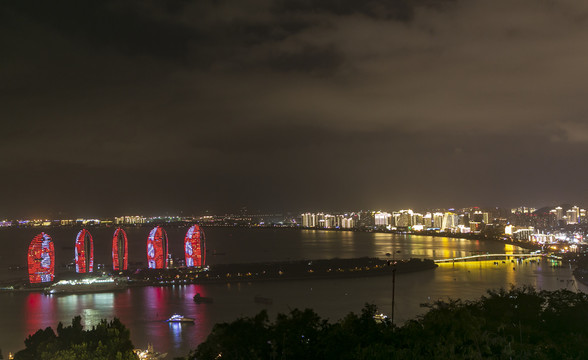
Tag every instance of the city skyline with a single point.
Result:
(244, 211)
(176, 107)
(568, 213)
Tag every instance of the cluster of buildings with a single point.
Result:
(328, 221)
(463, 221)
(523, 223)
(546, 225)
(135, 220)
(41, 253)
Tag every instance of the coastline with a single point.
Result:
(291, 270)
(314, 269)
(266, 271)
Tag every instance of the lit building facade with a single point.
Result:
(41, 259)
(347, 223)
(84, 252)
(403, 218)
(382, 219)
(130, 220)
(417, 219)
(572, 216)
(195, 247)
(559, 214)
(438, 220)
(157, 248)
(450, 222)
(120, 250)
(308, 220)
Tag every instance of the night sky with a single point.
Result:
(176, 107)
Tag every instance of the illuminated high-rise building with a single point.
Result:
(120, 250)
(438, 220)
(41, 259)
(308, 220)
(329, 221)
(348, 223)
(572, 216)
(450, 221)
(486, 217)
(403, 218)
(428, 220)
(157, 248)
(382, 219)
(195, 247)
(84, 252)
(559, 214)
(417, 219)
(576, 209)
(365, 219)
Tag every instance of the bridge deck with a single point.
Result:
(493, 256)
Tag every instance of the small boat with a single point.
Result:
(179, 318)
(199, 299)
(262, 300)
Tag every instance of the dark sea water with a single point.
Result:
(145, 309)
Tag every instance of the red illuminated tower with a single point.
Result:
(120, 250)
(195, 247)
(41, 259)
(84, 250)
(157, 248)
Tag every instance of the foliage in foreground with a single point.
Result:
(520, 323)
(107, 340)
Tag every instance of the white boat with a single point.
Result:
(179, 318)
(87, 285)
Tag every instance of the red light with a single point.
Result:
(41, 259)
(84, 251)
(157, 248)
(120, 250)
(195, 247)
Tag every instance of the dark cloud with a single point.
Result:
(309, 59)
(400, 10)
(187, 105)
(109, 24)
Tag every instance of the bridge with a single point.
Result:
(496, 257)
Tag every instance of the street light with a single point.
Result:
(393, 284)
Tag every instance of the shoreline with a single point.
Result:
(219, 276)
(257, 272)
(315, 269)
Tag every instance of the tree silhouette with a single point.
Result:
(519, 323)
(107, 340)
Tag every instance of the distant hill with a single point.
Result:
(547, 209)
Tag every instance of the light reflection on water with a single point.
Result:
(39, 312)
(144, 310)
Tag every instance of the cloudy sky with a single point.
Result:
(119, 107)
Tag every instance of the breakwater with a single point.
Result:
(282, 270)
